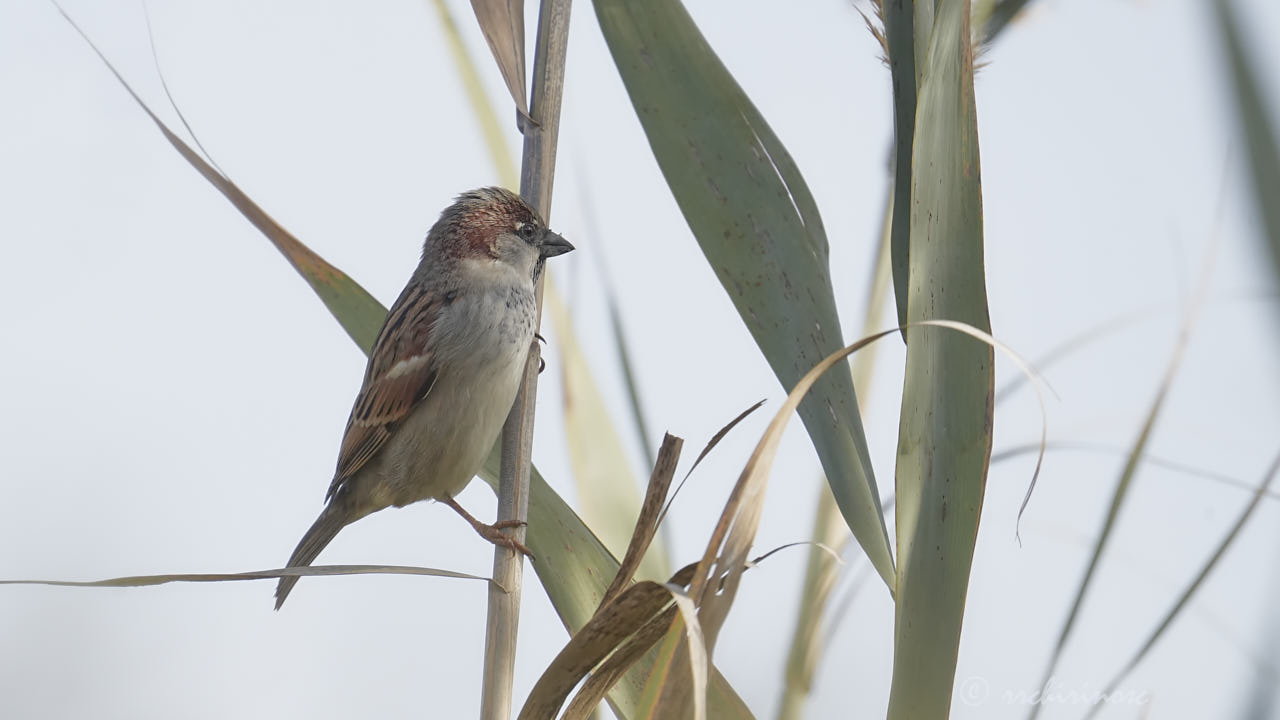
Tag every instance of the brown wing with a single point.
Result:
(401, 371)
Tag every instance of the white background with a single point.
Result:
(173, 394)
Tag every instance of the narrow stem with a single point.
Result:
(537, 174)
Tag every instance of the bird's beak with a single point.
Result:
(553, 244)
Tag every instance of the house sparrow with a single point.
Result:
(444, 370)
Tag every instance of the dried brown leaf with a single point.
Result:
(502, 22)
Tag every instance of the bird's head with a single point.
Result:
(496, 224)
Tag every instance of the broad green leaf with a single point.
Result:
(944, 437)
(757, 225)
(608, 492)
(922, 34)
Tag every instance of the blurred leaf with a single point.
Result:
(1003, 12)
(1258, 130)
(1132, 463)
(1191, 589)
(622, 349)
(944, 439)
(608, 494)
(486, 116)
(502, 22)
(628, 375)
(757, 224)
(573, 566)
(807, 639)
(1147, 459)
(1264, 163)
(1263, 695)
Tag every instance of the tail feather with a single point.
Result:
(335, 517)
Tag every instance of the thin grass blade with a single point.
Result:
(1015, 451)
(485, 114)
(1185, 596)
(1132, 463)
(608, 493)
(313, 570)
(359, 314)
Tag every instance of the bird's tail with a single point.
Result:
(336, 515)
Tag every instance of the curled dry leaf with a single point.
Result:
(646, 528)
(622, 610)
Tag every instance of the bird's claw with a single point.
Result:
(494, 534)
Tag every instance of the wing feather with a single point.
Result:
(401, 371)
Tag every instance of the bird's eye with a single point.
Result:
(526, 231)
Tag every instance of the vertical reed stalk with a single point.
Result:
(537, 173)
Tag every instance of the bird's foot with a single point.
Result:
(542, 363)
(493, 533)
